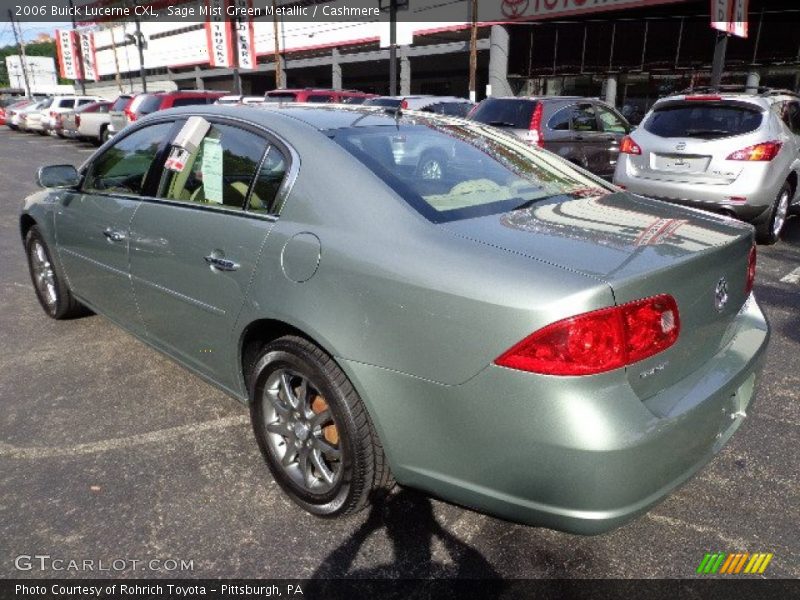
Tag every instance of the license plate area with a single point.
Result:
(681, 163)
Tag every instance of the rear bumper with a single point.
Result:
(583, 455)
(759, 186)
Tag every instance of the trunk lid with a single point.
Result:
(641, 248)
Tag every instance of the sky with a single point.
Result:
(29, 30)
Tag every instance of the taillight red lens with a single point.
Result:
(535, 135)
(760, 152)
(628, 146)
(599, 341)
(404, 105)
(77, 120)
(131, 116)
(751, 271)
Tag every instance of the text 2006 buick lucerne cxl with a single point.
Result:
(503, 331)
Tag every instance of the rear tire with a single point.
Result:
(314, 431)
(105, 135)
(769, 231)
(50, 285)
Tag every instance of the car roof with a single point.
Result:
(323, 117)
(763, 102)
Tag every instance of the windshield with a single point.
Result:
(706, 121)
(449, 172)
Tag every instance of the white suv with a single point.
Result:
(734, 153)
(51, 117)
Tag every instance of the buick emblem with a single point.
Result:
(721, 294)
(514, 9)
(681, 146)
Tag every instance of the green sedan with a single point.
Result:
(504, 331)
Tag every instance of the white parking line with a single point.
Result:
(793, 277)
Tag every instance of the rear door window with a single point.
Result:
(120, 103)
(319, 98)
(703, 120)
(610, 122)
(560, 120)
(584, 118)
(505, 112)
(220, 170)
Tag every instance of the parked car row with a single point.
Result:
(734, 151)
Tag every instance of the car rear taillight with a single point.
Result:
(404, 105)
(535, 135)
(760, 152)
(599, 341)
(131, 116)
(628, 146)
(77, 120)
(751, 271)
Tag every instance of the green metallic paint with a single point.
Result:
(415, 314)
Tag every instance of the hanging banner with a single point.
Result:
(218, 34)
(89, 56)
(730, 16)
(243, 35)
(67, 54)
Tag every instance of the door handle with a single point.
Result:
(114, 235)
(223, 264)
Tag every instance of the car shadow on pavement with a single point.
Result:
(406, 517)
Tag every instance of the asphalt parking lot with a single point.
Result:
(108, 450)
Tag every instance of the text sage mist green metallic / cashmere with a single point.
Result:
(504, 330)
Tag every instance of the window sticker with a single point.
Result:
(177, 159)
(212, 170)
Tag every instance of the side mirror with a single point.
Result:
(58, 176)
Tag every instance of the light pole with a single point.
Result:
(392, 6)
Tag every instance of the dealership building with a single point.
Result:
(628, 51)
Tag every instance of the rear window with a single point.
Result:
(387, 102)
(120, 103)
(478, 171)
(454, 109)
(281, 96)
(505, 112)
(705, 121)
(190, 101)
(144, 105)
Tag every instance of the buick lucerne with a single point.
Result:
(509, 333)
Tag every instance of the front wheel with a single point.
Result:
(51, 288)
(314, 431)
(769, 231)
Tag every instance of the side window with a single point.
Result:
(123, 168)
(610, 122)
(268, 182)
(583, 118)
(793, 110)
(319, 98)
(219, 172)
(103, 108)
(84, 101)
(560, 120)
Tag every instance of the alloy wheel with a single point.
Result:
(780, 212)
(301, 431)
(43, 275)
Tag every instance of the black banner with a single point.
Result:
(405, 589)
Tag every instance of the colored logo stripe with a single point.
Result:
(733, 564)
